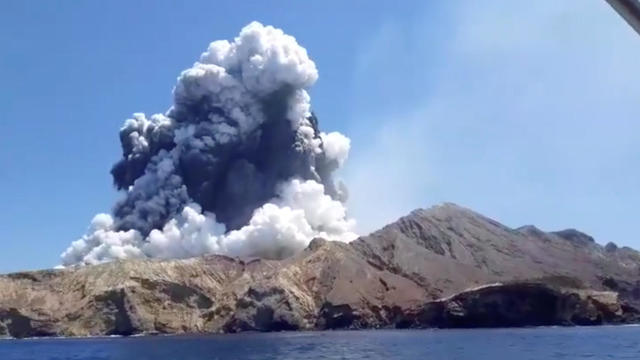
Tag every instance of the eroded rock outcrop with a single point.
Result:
(416, 272)
(208, 294)
(523, 304)
(447, 249)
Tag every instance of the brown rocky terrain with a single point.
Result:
(441, 267)
(447, 248)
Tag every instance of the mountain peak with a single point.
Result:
(575, 236)
(447, 208)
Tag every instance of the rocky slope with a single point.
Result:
(447, 248)
(428, 269)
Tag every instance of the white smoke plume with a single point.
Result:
(236, 166)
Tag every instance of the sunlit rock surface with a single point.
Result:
(441, 267)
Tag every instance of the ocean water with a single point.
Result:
(520, 344)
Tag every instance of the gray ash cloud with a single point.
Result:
(239, 136)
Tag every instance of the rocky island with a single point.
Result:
(444, 267)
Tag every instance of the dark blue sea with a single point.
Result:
(520, 344)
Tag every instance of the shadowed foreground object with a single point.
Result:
(445, 266)
(629, 10)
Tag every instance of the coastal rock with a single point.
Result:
(202, 295)
(441, 267)
(447, 249)
(523, 304)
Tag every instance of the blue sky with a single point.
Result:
(524, 111)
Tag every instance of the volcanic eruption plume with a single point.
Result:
(236, 166)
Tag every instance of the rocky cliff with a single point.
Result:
(447, 249)
(441, 267)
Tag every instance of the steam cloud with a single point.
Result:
(237, 165)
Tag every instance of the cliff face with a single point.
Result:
(415, 272)
(447, 248)
(522, 304)
(208, 294)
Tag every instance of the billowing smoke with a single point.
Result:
(237, 165)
